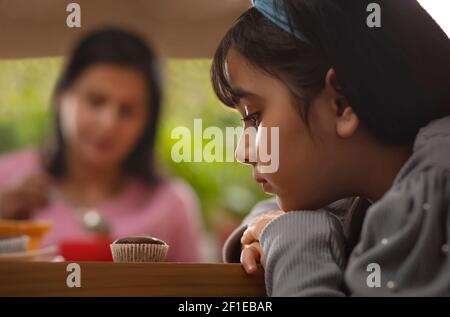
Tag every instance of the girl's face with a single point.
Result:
(308, 164)
(103, 114)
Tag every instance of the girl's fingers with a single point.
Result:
(249, 235)
(250, 257)
(255, 228)
(251, 253)
(248, 261)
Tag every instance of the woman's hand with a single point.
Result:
(251, 253)
(20, 201)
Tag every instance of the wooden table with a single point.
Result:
(128, 279)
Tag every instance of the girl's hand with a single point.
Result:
(20, 201)
(251, 253)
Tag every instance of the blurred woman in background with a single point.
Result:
(97, 175)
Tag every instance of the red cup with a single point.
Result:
(86, 250)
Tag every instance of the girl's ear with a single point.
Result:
(347, 123)
(346, 119)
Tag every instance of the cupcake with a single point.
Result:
(13, 243)
(139, 249)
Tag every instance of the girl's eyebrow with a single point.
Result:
(241, 93)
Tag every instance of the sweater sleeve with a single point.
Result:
(231, 251)
(406, 236)
(304, 254)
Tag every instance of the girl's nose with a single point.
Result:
(246, 149)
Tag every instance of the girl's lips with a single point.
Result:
(267, 188)
(264, 184)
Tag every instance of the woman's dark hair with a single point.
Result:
(395, 77)
(114, 47)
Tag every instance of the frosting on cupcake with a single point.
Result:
(139, 240)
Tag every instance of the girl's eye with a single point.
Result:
(253, 118)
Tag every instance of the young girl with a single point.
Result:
(362, 112)
(97, 175)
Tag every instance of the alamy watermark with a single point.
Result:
(73, 19)
(374, 18)
(212, 144)
(74, 277)
(374, 277)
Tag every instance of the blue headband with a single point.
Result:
(277, 15)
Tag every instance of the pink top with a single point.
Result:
(169, 211)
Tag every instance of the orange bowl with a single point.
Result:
(36, 230)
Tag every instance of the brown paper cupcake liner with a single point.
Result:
(139, 252)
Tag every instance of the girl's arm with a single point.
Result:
(231, 251)
(304, 254)
(317, 235)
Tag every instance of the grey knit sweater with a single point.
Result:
(403, 249)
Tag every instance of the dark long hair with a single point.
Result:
(115, 47)
(395, 77)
